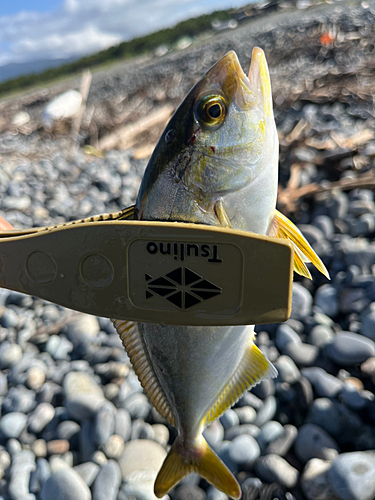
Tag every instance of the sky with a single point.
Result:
(33, 30)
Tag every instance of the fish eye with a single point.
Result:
(211, 110)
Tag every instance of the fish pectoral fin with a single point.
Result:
(283, 228)
(253, 368)
(221, 214)
(134, 346)
(200, 459)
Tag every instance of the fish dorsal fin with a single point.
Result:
(127, 213)
(132, 341)
(253, 368)
(283, 228)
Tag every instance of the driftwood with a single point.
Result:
(126, 136)
(288, 197)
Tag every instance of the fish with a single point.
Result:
(216, 163)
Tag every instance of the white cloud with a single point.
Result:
(84, 26)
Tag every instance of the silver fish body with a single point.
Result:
(216, 164)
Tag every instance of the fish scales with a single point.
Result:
(216, 163)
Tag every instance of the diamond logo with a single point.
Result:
(182, 287)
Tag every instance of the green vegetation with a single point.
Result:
(125, 50)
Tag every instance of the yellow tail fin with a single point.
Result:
(200, 459)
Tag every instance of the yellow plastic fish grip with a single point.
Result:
(165, 273)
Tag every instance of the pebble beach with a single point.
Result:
(75, 423)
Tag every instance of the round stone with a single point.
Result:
(12, 424)
(285, 335)
(267, 412)
(88, 472)
(189, 492)
(271, 430)
(10, 355)
(352, 476)
(325, 384)
(57, 447)
(348, 349)
(83, 395)
(107, 482)
(161, 434)
(313, 442)
(246, 414)
(321, 335)
(244, 450)
(326, 299)
(40, 417)
(302, 354)
(288, 371)
(114, 446)
(123, 424)
(282, 444)
(104, 423)
(272, 468)
(141, 461)
(39, 447)
(65, 484)
(35, 378)
(368, 325)
(214, 433)
(301, 302)
(314, 480)
(229, 419)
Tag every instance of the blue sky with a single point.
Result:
(53, 29)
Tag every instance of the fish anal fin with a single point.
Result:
(132, 341)
(283, 228)
(253, 368)
(199, 458)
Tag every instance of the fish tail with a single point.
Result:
(199, 458)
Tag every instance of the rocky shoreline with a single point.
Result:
(75, 424)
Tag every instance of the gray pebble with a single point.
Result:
(238, 430)
(10, 355)
(314, 480)
(114, 446)
(354, 399)
(264, 389)
(348, 349)
(40, 417)
(325, 224)
(272, 468)
(249, 399)
(285, 335)
(282, 444)
(244, 450)
(267, 412)
(214, 434)
(84, 397)
(23, 464)
(229, 419)
(325, 385)
(9, 319)
(321, 335)
(368, 325)
(123, 424)
(288, 371)
(137, 405)
(271, 430)
(12, 424)
(40, 475)
(65, 484)
(107, 482)
(313, 442)
(301, 302)
(213, 494)
(334, 418)
(327, 300)
(352, 476)
(69, 430)
(189, 492)
(88, 472)
(302, 354)
(246, 414)
(104, 423)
